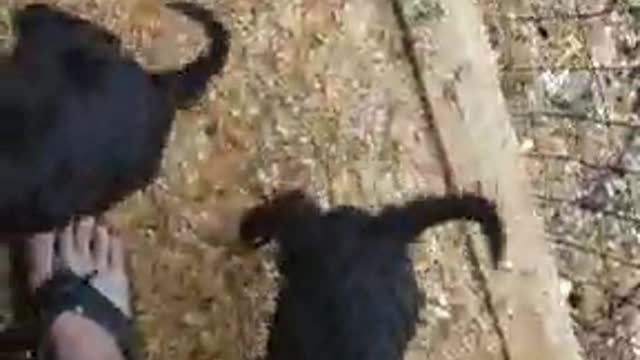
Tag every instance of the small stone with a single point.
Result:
(194, 319)
(441, 313)
(566, 286)
(254, 111)
(506, 265)
(566, 89)
(527, 146)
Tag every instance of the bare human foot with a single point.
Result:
(84, 247)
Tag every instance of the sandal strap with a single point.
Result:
(68, 292)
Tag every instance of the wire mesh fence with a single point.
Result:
(570, 77)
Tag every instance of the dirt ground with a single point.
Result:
(315, 95)
(320, 95)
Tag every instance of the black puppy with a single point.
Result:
(349, 290)
(82, 125)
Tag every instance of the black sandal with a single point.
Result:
(68, 292)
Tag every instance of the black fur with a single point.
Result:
(82, 125)
(349, 290)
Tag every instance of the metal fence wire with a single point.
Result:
(570, 75)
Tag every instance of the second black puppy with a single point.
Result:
(81, 124)
(349, 290)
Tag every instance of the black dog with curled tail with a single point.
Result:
(349, 291)
(82, 125)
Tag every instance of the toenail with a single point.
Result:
(91, 274)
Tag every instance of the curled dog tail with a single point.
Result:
(187, 84)
(410, 220)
